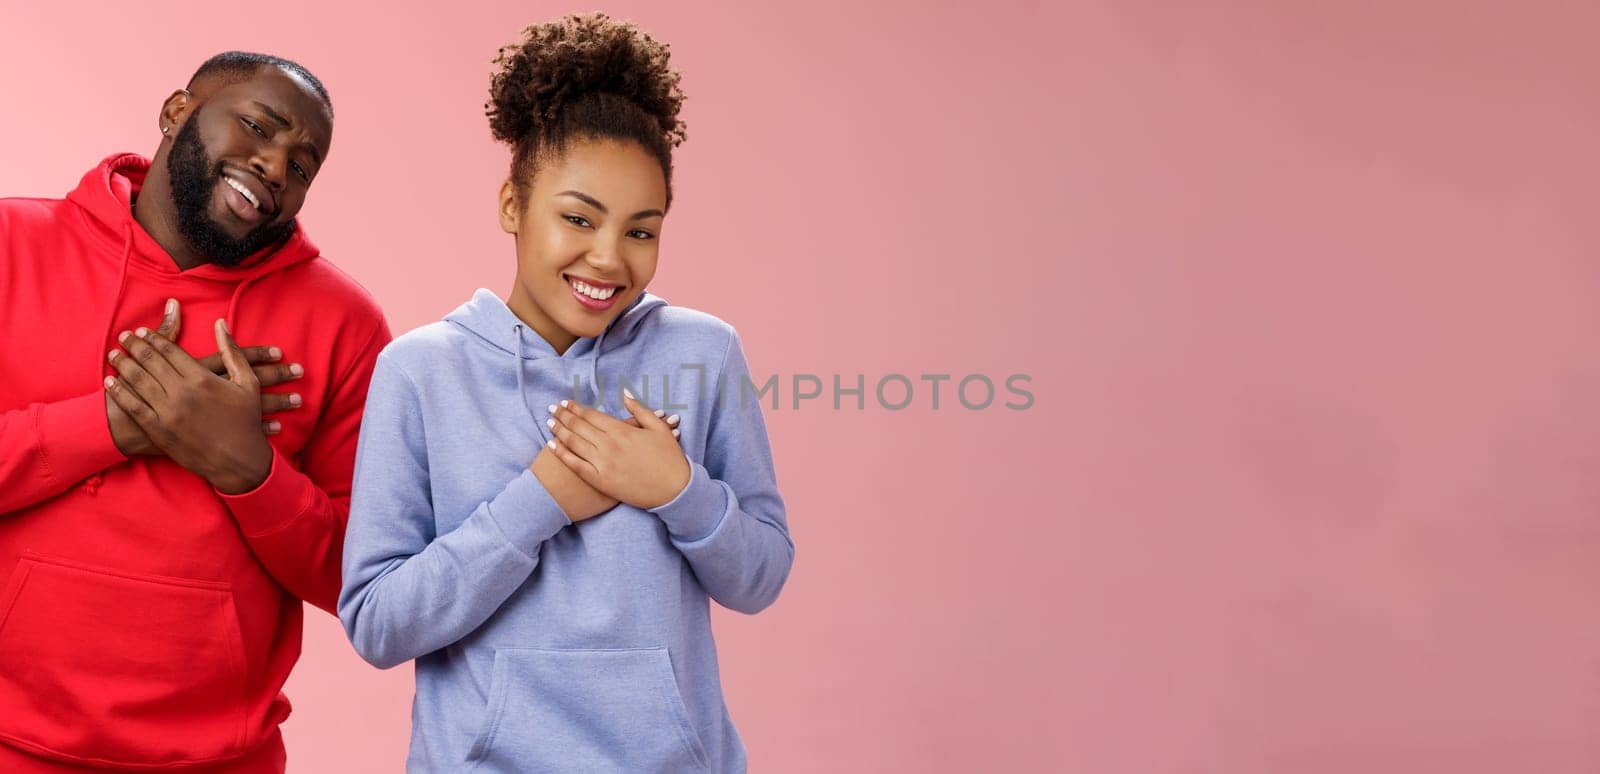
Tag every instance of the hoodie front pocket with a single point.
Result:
(108, 667)
(586, 710)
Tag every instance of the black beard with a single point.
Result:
(194, 183)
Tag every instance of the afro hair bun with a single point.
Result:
(580, 58)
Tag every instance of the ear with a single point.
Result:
(510, 208)
(175, 111)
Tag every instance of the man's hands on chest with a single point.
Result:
(205, 414)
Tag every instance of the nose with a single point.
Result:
(603, 255)
(271, 164)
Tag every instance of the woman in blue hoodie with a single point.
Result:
(540, 540)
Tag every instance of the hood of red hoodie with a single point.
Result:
(106, 193)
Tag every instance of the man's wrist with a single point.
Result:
(248, 475)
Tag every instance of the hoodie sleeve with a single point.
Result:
(729, 520)
(295, 521)
(45, 448)
(408, 591)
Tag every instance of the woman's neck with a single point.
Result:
(528, 311)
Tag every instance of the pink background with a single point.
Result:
(1305, 292)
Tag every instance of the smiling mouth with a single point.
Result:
(245, 192)
(263, 205)
(595, 292)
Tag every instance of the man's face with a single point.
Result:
(242, 162)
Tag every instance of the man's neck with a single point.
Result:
(161, 222)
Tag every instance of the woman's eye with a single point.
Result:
(299, 170)
(577, 220)
(641, 234)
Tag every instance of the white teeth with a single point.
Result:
(245, 192)
(592, 291)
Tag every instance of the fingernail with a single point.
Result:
(627, 393)
(110, 382)
(550, 424)
(172, 303)
(672, 420)
(552, 408)
(674, 433)
(223, 324)
(294, 398)
(142, 332)
(297, 369)
(123, 336)
(550, 445)
(276, 353)
(661, 412)
(275, 427)
(112, 355)
(564, 403)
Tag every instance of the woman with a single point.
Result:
(549, 563)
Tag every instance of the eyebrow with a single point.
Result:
(316, 153)
(595, 203)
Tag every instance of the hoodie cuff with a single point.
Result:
(698, 510)
(526, 513)
(284, 496)
(75, 437)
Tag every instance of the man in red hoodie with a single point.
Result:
(156, 536)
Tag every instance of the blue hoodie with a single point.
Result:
(543, 645)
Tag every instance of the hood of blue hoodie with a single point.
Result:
(488, 318)
(493, 323)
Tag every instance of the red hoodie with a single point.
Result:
(146, 619)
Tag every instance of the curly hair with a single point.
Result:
(584, 76)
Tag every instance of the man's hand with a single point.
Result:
(206, 423)
(638, 462)
(578, 499)
(131, 440)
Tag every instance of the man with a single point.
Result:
(161, 515)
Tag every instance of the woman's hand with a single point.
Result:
(641, 465)
(577, 499)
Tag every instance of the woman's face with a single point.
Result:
(588, 232)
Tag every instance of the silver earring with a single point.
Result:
(164, 129)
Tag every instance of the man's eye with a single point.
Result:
(253, 126)
(299, 170)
